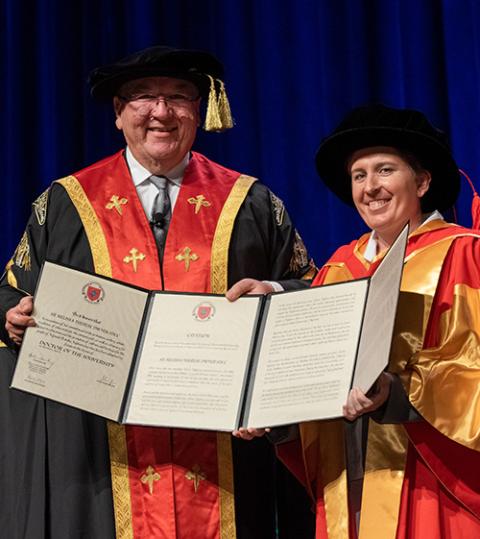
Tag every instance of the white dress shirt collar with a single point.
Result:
(371, 249)
(140, 174)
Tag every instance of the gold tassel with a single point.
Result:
(212, 118)
(224, 107)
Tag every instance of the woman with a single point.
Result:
(412, 471)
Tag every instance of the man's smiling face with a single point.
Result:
(158, 132)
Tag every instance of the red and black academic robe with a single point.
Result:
(421, 478)
(71, 474)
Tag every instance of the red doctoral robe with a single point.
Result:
(421, 478)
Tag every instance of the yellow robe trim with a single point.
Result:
(383, 481)
(11, 279)
(219, 284)
(93, 229)
(223, 233)
(337, 273)
(116, 433)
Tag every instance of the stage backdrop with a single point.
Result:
(293, 69)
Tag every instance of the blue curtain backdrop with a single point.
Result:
(294, 68)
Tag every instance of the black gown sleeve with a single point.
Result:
(22, 270)
(56, 467)
(397, 408)
(54, 231)
(265, 244)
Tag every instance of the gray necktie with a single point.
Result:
(161, 212)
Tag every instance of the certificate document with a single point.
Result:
(199, 361)
(194, 362)
(81, 350)
(137, 356)
(319, 343)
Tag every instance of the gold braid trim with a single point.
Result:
(225, 486)
(93, 229)
(2, 344)
(120, 482)
(223, 233)
(219, 284)
(116, 433)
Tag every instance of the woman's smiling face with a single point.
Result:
(386, 190)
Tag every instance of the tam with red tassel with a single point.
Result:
(475, 202)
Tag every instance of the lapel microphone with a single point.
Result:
(158, 220)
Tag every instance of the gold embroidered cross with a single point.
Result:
(199, 201)
(116, 203)
(196, 476)
(187, 256)
(135, 255)
(149, 477)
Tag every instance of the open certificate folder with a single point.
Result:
(199, 361)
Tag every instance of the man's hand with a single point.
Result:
(18, 319)
(248, 286)
(249, 434)
(358, 403)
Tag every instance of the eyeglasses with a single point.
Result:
(144, 103)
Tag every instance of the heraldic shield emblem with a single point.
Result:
(203, 312)
(93, 293)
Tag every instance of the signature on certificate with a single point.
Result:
(106, 381)
(39, 364)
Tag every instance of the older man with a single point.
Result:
(66, 467)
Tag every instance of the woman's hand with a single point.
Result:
(249, 434)
(358, 403)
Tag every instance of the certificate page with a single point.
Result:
(380, 315)
(192, 368)
(305, 363)
(81, 350)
